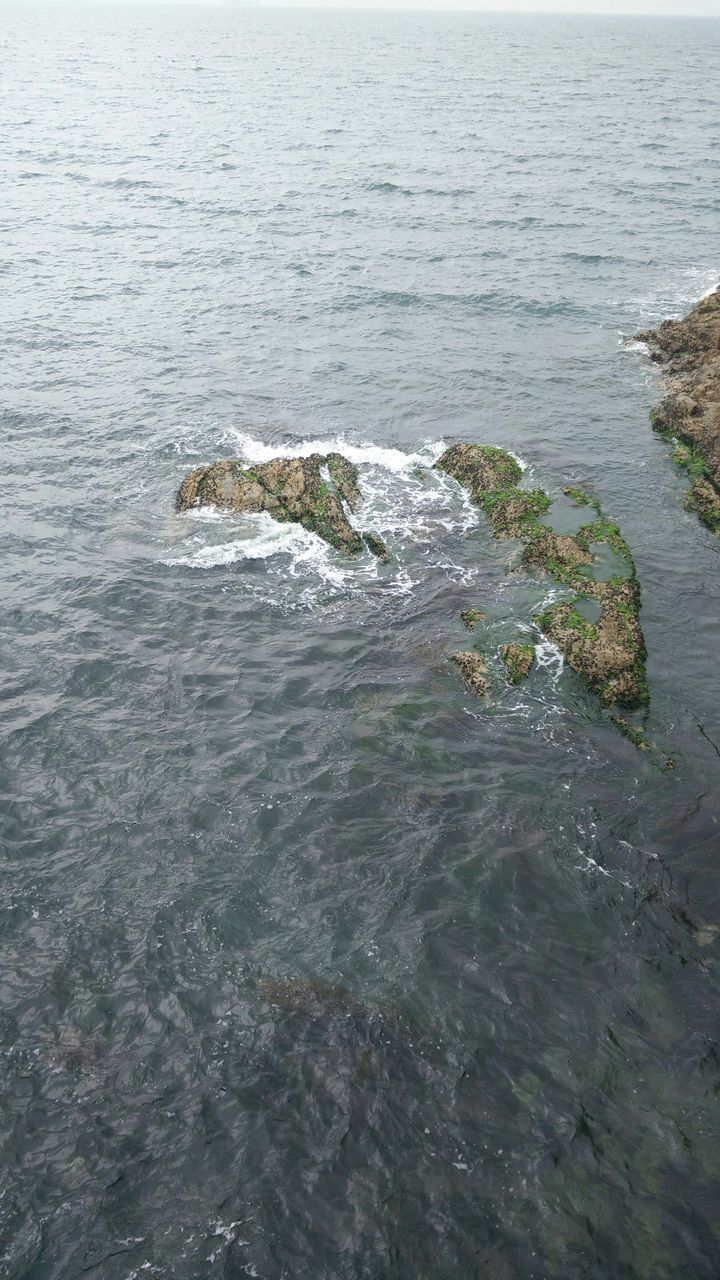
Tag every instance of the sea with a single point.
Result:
(314, 966)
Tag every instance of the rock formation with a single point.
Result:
(606, 649)
(473, 669)
(689, 351)
(518, 660)
(313, 492)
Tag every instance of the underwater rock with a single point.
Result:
(608, 651)
(473, 669)
(518, 660)
(689, 351)
(289, 489)
(309, 996)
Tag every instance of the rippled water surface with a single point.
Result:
(230, 757)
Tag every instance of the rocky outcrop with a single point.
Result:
(471, 617)
(689, 352)
(606, 648)
(518, 660)
(609, 653)
(473, 668)
(313, 492)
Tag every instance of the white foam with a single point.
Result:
(634, 344)
(258, 537)
(673, 298)
(365, 454)
(548, 656)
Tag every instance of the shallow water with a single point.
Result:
(228, 755)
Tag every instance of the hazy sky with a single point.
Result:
(705, 8)
(710, 8)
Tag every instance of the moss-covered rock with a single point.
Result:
(473, 669)
(608, 652)
(705, 500)
(288, 489)
(560, 553)
(344, 475)
(471, 617)
(518, 660)
(374, 543)
(480, 468)
(689, 351)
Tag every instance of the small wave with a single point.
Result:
(362, 454)
(675, 297)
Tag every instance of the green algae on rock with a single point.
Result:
(374, 543)
(473, 669)
(471, 617)
(480, 468)
(289, 489)
(518, 660)
(689, 351)
(609, 651)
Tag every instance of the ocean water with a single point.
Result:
(229, 757)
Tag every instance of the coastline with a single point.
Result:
(689, 351)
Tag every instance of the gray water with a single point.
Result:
(229, 756)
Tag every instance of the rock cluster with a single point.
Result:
(689, 351)
(313, 492)
(607, 650)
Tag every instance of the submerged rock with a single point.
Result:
(473, 669)
(689, 351)
(289, 489)
(518, 660)
(607, 651)
(308, 996)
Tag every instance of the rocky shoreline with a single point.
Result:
(689, 352)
